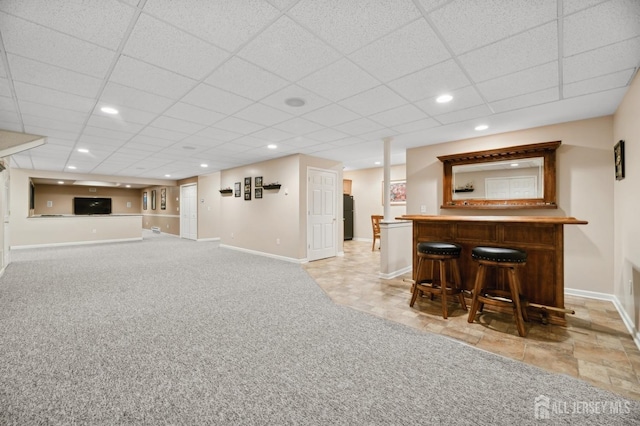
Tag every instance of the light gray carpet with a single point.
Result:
(167, 331)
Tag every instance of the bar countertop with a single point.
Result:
(505, 219)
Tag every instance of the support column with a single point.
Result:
(387, 179)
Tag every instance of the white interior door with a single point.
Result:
(321, 213)
(189, 212)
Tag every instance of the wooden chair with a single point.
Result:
(375, 224)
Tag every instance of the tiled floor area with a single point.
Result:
(594, 346)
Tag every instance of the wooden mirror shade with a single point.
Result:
(546, 151)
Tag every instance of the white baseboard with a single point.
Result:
(261, 253)
(216, 241)
(397, 273)
(75, 243)
(628, 322)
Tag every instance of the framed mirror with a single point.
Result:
(517, 177)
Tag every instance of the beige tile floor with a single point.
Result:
(594, 346)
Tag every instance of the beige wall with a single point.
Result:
(367, 196)
(276, 223)
(26, 231)
(61, 197)
(168, 220)
(584, 187)
(626, 126)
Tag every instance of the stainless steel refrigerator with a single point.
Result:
(347, 204)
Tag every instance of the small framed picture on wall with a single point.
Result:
(144, 200)
(618, 156)
(247, 188)
(237, 189)
(258, 192)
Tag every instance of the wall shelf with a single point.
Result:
(272, 186)
(226, 191)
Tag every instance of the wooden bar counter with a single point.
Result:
(542, 237)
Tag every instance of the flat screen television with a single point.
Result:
(84, 205)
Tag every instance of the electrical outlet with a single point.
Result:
(423, 209)
(93, 231)
(49, 203)
(278, 241)
(232, 235)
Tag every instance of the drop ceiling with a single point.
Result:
(206, 82)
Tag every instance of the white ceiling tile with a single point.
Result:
(10, 117)
(126, 114)
(212, 98)
(464, 115)
(21, 161)
(428, 5)
(238, 125)
(251, 141)
(354, 23)
(312, 101)
(602, 61)
(36, 42)
(216, 134)
(10, 125)
(227, 24)
(53, 124)
(173, 49)
(571, 6)
(49, 132)
(351, 140)
(114, 123)
(464, 98)
(288, 50)
(155, 132)
(525, 50)
(134, 73)
(339, 80)
(379, 135)
(598, 84)
(170, 123)
(103, 142)
(282, 4)
(118, 95)
(299, 143)
(106, 133)
(263, 114)
(7, 104)
(101, 22)
(415, 46)
(523, 101)
(193, 114)
(468, 25)
(400, 115)
(601, 25)
(5, 90)
(359, 126)
(373, 100)
(152, 140)
(331, 115)
(245, 79)
(272, 135)
(416, 126)
(41, 74)
(326, 135)
(53, 113)
(530, 80)
(198, 142)
(31, 93)
(432, 81)
(229, 147)
(298, 126)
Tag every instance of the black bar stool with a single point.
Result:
(443, 254)
(499, 257)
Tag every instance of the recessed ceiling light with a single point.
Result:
(272, 146)
(61, 182)
(295, 102)
(71, 167)
(204, 165)
(83, 150)
(128, 186)
(444, 99)
(482, 127)
(377, 163)
(167, 175)
(109, 110)
(514, 164)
